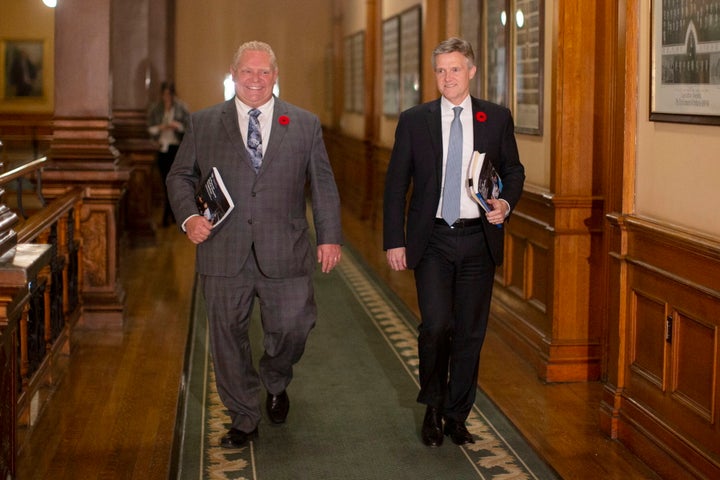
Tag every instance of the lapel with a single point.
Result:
(278, 130)
(434, 124)
(479, 119)
(229, 120)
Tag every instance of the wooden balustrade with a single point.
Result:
(40, 302)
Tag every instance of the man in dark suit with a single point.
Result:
(453, 252)
(262, 250)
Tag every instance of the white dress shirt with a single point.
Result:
(468, 207)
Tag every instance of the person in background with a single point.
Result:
(450, 243)
(167, 121)
(267, 151)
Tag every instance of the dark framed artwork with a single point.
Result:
(347, 74)
(401, 61)
(508, 39)
(496, 52)
(410, 38)
(391, 66)
(685, 62)
(528, 50)
(354, 72)
(22, 74)
(358, 58)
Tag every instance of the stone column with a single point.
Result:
(131, 61)
(82, 152)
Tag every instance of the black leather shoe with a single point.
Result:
(278, 407)
(432, 435)
(457, 432)
(235, 438)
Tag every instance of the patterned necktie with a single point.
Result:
(453, 171)
(254, 140)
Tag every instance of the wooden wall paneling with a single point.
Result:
(349, 160)
(668, 409)
(381, 162)
(524, 283)
(615, 328)
(619, 183)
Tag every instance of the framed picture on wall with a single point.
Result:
(401, 61)
(22, 70)
(410, 37)
(391, 66)
(509, 40)
(354, 72)
(685, 62)
(495, 52)
(528, 66)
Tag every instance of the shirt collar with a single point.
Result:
(466, 104)
(245, 109)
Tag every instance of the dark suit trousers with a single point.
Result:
(454, 281)
(164, 162)
(288, 313)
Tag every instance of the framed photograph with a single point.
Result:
(391, 66)
(685, 62)
(22, 70)
(358, 72)
(348, 74)
(495, 52)
(510, 56)
(528, 66)
(354, 73)
(401, 61)
(410, 37)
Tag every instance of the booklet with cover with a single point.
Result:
(483, 182)
(213, 200)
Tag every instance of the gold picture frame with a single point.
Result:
(23, 71)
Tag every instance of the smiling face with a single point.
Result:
(453, 75)
(254, 77)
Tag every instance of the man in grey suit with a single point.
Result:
(262, 249)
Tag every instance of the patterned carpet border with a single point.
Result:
(492, 453)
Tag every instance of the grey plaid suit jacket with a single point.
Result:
(270, 206)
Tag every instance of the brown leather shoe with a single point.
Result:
(458, 432)
(432, 434)
(278, 406)
(235, 438)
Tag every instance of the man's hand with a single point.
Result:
(499, 211)
(198, 229)
(329, 255)
(396, 258)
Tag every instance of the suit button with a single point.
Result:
(252, 194)
(250, 221)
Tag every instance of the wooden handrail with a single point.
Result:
(31, 228)
(22, 170)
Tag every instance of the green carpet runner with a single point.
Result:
(353, 413)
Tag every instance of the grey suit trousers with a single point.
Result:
(288, 313)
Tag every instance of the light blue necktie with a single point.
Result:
(453, 171)
(254, 140)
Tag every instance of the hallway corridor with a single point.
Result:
(113, 415)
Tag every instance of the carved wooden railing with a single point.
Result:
(40, 301)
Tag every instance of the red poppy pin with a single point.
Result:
(481, 116)
(284, 120)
